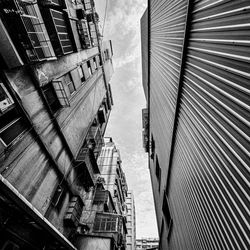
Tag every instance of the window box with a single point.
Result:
(12, 125)
(60, 35)
(83, 31)
(31, 38)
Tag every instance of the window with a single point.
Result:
(158, 172)
(51, 98)
(89, 68)
(152, 147)
(167, 214)
(5, 99)
(63, 44)
(81, 73)
(12, 125)
(95, 64)
(106, 223)
(100, 60)
(129, 239)
(70, 83)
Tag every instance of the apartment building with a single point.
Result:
(55, 101)
(104, 214)
(196, 125)
(147, 243)
(131, 222)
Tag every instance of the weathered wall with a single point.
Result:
(93, 243)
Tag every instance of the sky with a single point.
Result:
(122, 27)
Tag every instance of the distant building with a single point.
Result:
(111, 171)
(196, 126)
(147, 244)
(131, 222)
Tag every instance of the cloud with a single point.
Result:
(122, 26)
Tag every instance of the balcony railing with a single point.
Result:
(95, 138)
(27, 29)
(108, 222)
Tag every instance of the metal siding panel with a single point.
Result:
(167, 25)
(210, 176)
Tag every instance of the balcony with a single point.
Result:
(104, 197)
(60, 34)
(88, 166)
(83, 31)
(30, 38)
(53, 3)
(95, 140)
(110, 224)
(88, 5)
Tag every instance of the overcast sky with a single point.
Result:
(122, 26)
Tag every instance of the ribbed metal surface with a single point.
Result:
(144, 50)
(210, 176)
(167, 34)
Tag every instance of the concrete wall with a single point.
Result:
(93, 243)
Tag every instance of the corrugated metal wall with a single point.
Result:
(167, 33)
(144, 52)
(209, 189)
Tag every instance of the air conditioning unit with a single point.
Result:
(74, 212)
(53, 3)
(28, 1)
(83, 153)
(5, 104)
(5, 99)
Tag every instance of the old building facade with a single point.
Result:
(104, 214)
(131, 221)
(147, 243)
(55, 101)
(196, 125)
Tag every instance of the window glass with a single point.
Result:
(12, 124)
(80, 71)
(51, 98)
(70, 83)
(89, 67)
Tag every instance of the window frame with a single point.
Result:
(82, 75)
(9, 98)
(89, 68)
(69, 83)
(14, 117)
(50, 87)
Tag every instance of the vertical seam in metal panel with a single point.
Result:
(179, 93)
(149, 47)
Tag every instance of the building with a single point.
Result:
(131, 225)
(104, 214)
(197, 125)
(55, 101)
(111, 171)
(147, 244)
